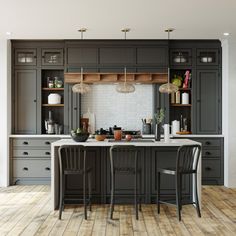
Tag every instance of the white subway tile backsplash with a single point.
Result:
(113, 108)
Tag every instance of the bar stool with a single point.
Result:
(72, 161)
(186, 164)
(124, 161)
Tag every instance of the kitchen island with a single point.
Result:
(151, 155)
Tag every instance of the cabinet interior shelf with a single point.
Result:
(181, 105)
(184, 89)
(53, 105)
(53, 89)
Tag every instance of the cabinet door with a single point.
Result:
(52, 57)
(181, 57)
(25, 109)
(26, 57)
(207, 102)
(157, 56)
(207, 57)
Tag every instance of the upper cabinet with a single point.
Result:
(181, 57)
(117, 56)
(53, 57)
(25, 57)
(152, 56)
(208, 57)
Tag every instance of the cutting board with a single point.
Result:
(91, 116)
(184, 132)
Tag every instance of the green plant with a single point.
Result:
(159, 116)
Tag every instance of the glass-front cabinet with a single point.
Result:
(52, 57)
(25, 57)
(181, 57)
(208, 57)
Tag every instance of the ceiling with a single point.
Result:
(60, 19)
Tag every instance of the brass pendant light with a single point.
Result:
(168, 87)
(125, 87)
(81, 88)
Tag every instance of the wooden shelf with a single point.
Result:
(53, 105)
(180, 105)
(53, 89)
(99, 78)
(184, 89)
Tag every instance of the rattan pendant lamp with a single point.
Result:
(82, 87)
(168, 87)
(125, 87)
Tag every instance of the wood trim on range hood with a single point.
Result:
(106, 78)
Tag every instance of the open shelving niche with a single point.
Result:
(176, 109)
(57, 109)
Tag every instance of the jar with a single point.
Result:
(58, 82)
(50, 82)
(117, 133)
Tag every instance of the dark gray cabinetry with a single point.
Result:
(30, 160)
(25, 102)
(165, 158)
(207, 113)
(181, 57)
(52, 56)
(25, 57)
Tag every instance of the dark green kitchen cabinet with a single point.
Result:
(25, 102)
(25, 57)
(207, 102)
(52, 56)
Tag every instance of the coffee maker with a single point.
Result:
(50, 124)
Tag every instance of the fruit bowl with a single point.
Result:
(100, 137)
(79, 137)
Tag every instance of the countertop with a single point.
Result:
(105, 143)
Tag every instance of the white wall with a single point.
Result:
(5, 109)
(229, 110)
(124, 110)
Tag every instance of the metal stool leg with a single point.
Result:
(112, 195)
(135, 195)
(158, 191)
(177, 178)
(61, 196)
(196, 196)
(180, 191)
(90, 190)
(140, 189)
(84, 193)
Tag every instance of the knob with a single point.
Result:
(47, 143)
(47, 153)
(25, 153)
(25, 168)
(35, 100)
(208, 153)
(25, 143)
(208, 143)
(208, 168)
(47, 168)
(75, 108)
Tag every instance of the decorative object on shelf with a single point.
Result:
(159, 117)
(125, 87)
(58, 83)
(50, 82)
(54, 98)
(177, 80)
(168, 87)
(177, 97)
(49, 124)
(172, 98)
(186, 79)
(185, 98)
(81, 87)
(175, 127)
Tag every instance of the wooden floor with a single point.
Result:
(25, 210)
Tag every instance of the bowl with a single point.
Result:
(100, 137)
(79, 137)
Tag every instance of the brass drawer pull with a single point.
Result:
(47, 168)
(25, 169)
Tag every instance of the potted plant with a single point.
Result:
(159, 117)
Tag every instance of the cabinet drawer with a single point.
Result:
(26, 142)
(31, 168)
(211, 168)
(211, 142)
(211, 153)
(31, 153)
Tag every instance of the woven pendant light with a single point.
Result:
(81, 87)
(168, 87)
(125, 87)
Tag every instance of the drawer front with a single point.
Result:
(31, 168)
(213, 142)
(208, 153)
(211, 168)
(31, 153)
(31, 142)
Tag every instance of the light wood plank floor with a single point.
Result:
(25, 210)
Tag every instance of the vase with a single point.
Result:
(158, 132)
